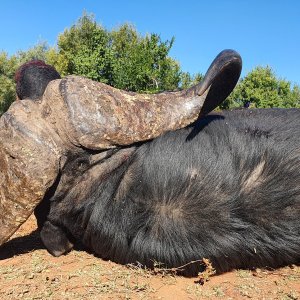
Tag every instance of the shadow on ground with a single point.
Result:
(21, 245)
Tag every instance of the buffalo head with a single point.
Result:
(56, 118)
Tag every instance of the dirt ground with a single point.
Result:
(27, 271)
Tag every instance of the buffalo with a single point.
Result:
(140, 178)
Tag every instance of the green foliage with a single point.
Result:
(37, 52)
(84, 48)
(121, 58)
(263, 89)
(7, 85)
(127, 60)
(188, 80)
(142, 63)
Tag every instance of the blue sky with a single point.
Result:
(263, 32)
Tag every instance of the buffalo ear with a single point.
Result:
(219, 80)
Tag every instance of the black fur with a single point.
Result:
(227, 188)
(32, 79)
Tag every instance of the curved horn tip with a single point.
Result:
(229, 53)
(220, 79)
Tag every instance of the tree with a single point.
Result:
(83, 47)
(121, 57)
(125, 59)
(188, 80)
(8, 67)
(263, 89)
(142, 63)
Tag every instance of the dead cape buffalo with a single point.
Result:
(144, 178)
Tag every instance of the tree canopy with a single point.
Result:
(125, 59)
(121, 58)
(7, 84)
(263, 89)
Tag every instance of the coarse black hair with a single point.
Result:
(32, 79)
